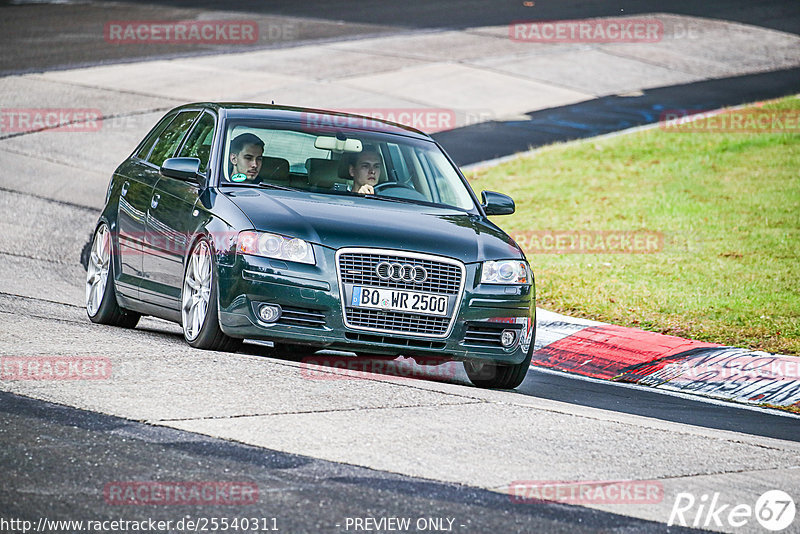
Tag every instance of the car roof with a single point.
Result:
(324, 118)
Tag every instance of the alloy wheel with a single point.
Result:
(196, 290)
(97, 270)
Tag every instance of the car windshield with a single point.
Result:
(395, 167)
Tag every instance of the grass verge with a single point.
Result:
(725, 208)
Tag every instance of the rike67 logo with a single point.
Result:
(774, 510)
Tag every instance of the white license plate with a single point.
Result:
(399, 300)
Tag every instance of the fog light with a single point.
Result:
(269, 313)
(508, 337)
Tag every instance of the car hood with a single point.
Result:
(338, 221)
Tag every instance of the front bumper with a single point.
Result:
(312, 312)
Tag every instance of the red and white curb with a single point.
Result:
(631, 355)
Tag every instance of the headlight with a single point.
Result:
(275, 246)
(505, 272)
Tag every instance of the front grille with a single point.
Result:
(397, 321)
(302, 317)
(359, 268)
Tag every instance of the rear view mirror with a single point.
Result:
(187, 169)
(338, 145)
(497, 203)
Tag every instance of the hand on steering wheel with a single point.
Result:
(367, 189)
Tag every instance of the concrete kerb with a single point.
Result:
(629, 355)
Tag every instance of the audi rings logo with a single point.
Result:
(401, 272)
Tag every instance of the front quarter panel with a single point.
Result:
(220, 220)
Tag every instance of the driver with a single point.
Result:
(366, 170)
(246, 154)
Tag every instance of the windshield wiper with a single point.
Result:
(390, 199)
(265, 185)
(276, 186)
(410, 201)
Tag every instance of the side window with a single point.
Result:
(150, 140)
(198, 144)
(398, 164)
(170, 139)
(430, 176)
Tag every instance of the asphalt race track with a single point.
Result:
(64, 38)
(322, 447)
(303, 494)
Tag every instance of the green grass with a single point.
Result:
(727, 204)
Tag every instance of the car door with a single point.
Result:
(138, 181)
(172, 220)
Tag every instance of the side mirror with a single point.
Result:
(497, 203)
(186, 169)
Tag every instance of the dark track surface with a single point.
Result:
(37, 37)
(777, 14)
(494, 139)
(87, 451)
(637, 401)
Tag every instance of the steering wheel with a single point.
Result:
(399, 190)
(385, 186)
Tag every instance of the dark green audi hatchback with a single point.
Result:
(313, 230)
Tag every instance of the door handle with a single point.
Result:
(125, 187)
(154, 201)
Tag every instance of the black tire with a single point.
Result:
(498, 376)
(101, 295)
(209, 335)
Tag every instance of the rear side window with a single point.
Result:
(169, 141)
(150, 140)
(198, 144)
